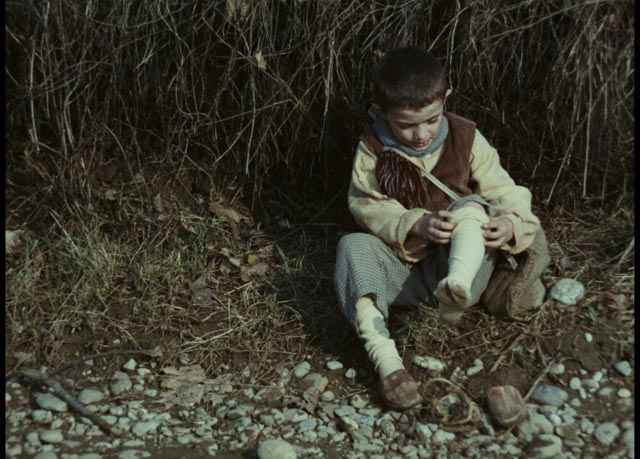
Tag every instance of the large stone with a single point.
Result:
(606, 433)
(506, 405)
(567, 291)
(550, 395)
(276, 449)
(51, 402)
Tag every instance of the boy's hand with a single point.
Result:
(497, 232)
(436, 227)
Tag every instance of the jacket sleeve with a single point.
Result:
(381, 215)
(494, 184)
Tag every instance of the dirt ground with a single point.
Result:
(293, 297)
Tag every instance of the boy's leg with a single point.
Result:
(369, 277)
(466, 255)
(366, 266)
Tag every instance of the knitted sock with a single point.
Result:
(465, 257)
(373, 330)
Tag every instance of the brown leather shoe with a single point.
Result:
(399, 390)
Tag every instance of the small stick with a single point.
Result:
(150, 352)
(542, 374)
(62, 394)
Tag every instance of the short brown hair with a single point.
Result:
(408, 77)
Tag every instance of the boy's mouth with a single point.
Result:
(421, 145)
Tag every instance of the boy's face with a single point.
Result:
(416, 129)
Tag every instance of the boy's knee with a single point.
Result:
(470, 211)
(356, 243)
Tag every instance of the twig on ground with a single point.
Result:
(155, 352)
(61, 393)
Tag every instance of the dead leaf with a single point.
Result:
(157, 204)
(185, 376)
(249, 272)
(226, 212)
(252, 259)
(12, 241)
(260, 60)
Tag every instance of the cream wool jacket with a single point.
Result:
(386, 218)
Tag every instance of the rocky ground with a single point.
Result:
(178, 412)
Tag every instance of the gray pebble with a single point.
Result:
(314, 383)
(442, 436)
(358, 401)
(557, 369)
(629, 438)
(89, 396)
(130, 365)
(351, 373)
(308, 424)
(624, 368)
(90, 456)
(327, 396)
(276, 449)
(548, 445)
(567, 291)
(575, 383)
(120, 383)
(535, 424)
(606, 433)
(42, 416)
(143, 428)
(46, 455)
(51, 402)
(334, 365)
(345, 411)
(587, 426)
(550, 395)
(133, 454)
(430, 363)
(51, 436)
(588, 337)
(302, 369)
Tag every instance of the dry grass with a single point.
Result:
(135, 130)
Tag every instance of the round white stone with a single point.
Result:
(624, 368)
(334, 365)
(624, 393)
(51, 436)
(276, 449)
(130, 365)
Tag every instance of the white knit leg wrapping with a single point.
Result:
(377, 342)
(465, 257)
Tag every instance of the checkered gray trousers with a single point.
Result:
(365, 265)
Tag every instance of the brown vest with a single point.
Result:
(401, 179)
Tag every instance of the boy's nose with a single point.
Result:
(421, 133)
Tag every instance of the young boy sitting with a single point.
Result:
(422, 246)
